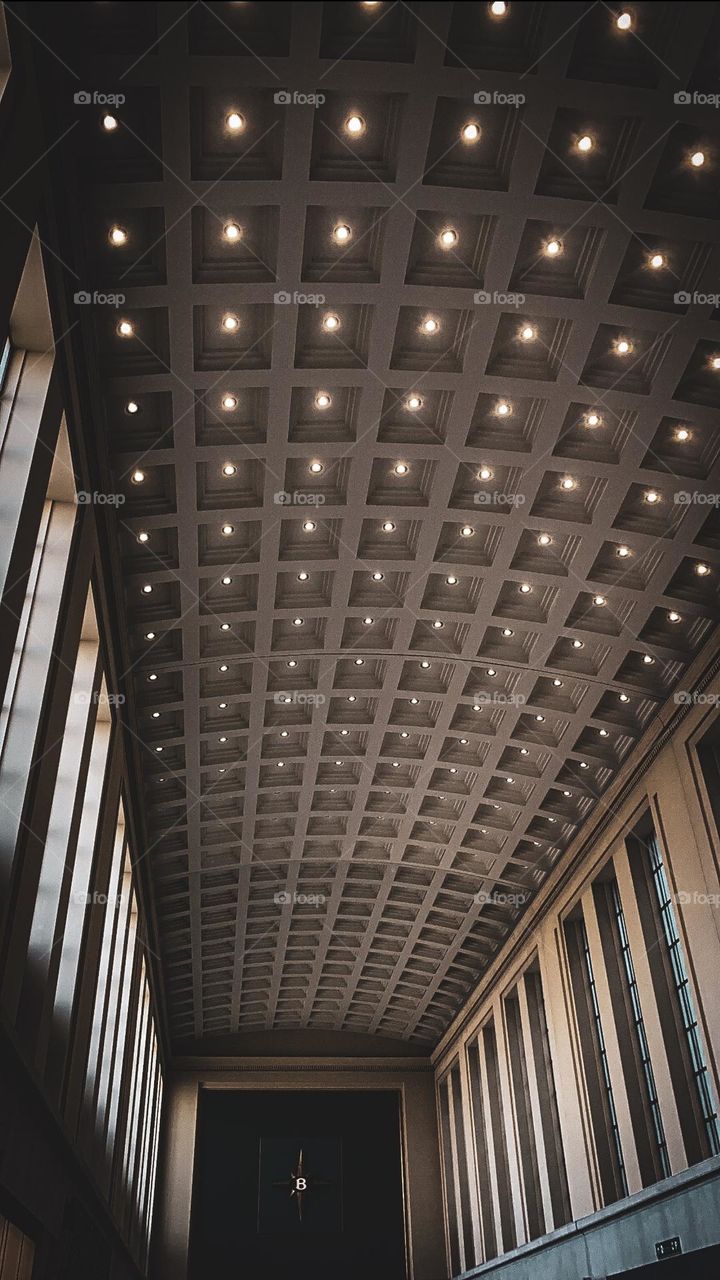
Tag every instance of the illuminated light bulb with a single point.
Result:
(599, 600)
(463, 742)
(309, 526)
(292, 662)
(344, 733)
(109, 122)
(507, 632)
(557, 683)
(584, 143)
(485, 473)
(697, 159)
(491, 672)
(303, 575)
(430, 325)
(223, 667)
(323, 400)
(623, 551)
(401, 469)
(425, 665)
(553, 248)
(544, 540)
(413, 403)
(648, 660)
(341, 233)
(414, 701)
(437, 624)
(451, 580)
(117, 235)
(567, 482)
(224, 626)
(137, 476)
(235, 122)
(623, 346)
(281, 764)
(359, 662)
(158, 748)
(229, 469)
(528, 333)
(578, 644)
(498, 8)
(503, 408)
(525, 588)
(715, 362)
(673, 616)
(656, 261)
(447, 238)
(230, 323)
(156, 715)
(624, 21)
(682, 435)
(355, 125)
(352, 697)
(624, 697)
(125, 329)
(229, 402)
(368, 621)
(652, 496)
(584, 764)
(377, 576)
(702, 570)
(467, 531)
(603, 733)
(143, 537)
(226, 581)
(298, 622)
(227, 529)
(331, 322)
(147, 588)
(592, 419)
(132, 407)
(540, 719)
(316, 468)
(470, 132)
(567, 793)
(232, 231)
(387, 526)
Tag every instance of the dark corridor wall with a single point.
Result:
(245, 1218)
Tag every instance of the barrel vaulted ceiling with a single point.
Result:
(422, 357)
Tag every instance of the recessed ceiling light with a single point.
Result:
(137, 476)
(344, 733)
(303, 575)
(330, 321)
(584, 764)
(292, 662)
(224, 626)
(599, 600)
(156, 715)
(682, 435)
(352, 697)
(652, 496)
(578, 644)
(603, 733)
(226, 581)
(470, 132)
(143, 536)
(715, 362)
(229, 469)
(584, 143)
(378, 576)
(298, 622)
(448, 238)
(414, 701)
(491, 672)
(229, 402)
(387, 526)
(355, 125)
(430, 325)
(524, 751)
(235, 122)
(401, 468)
(624, 697)
(222, 706)
(528, 333)
(557, 683)
(648, 660)
(592, 418)
(316, 468)
(223, 667)
(368, 621)
(702, 569)
(503, 408)
(413, 403)
(485, 473)
(341, 233)
(540, 719)
(624, 21)
(525, 588)
(437, 624)
(309, 526)
(230, 322)
(451, 580)
(467, 531)
(117, 235)
(507, 632)
(553, 248)
(227, 529)
(463, 742)
(125, 329)
(147, 588)
(132, 407)
(323, 400)
(425, 664)
(656, 261)
(567, 482)
(567, 793)
(623, 347)
(697, 159)
(498, 8)
(359, 662)
(674, 616)
(623, 551)
(544, 540)
(109, 122)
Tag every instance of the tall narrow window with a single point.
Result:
(17, 1252)
(449, 1171)
(481, 1152)
(524, 1118)
(547, 1093)
(601, 1099)
(461, 1158)
(497, 1119)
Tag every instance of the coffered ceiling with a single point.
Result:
(401, 426)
